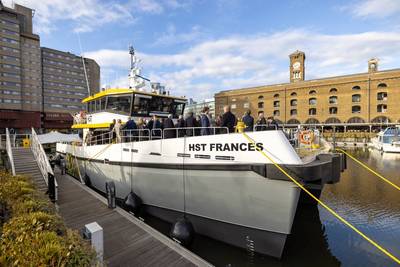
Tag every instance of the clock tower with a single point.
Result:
(372, 65)
(297, 66)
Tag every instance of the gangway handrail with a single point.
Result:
(44, 166)
(9, 151)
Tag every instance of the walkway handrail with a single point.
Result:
(9, 151)
(44, 166)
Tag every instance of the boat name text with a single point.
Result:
(226, 147)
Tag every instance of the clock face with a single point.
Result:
(296, 65)
(373, 66)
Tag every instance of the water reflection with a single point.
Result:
(368, 203)
(318, 238)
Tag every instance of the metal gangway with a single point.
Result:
(35, 152)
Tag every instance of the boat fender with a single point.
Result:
(133, 203)
(182, 231)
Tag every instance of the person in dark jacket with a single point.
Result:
(190, 122)
(156, 127)
(111, 135)
(272, 124)
(261, 122)
(205, 122)
(129, 130)
(168, 126)
(228, 119)
(248, 121)
(181, 124)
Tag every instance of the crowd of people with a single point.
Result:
(191, 125)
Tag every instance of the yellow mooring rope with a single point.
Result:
(324, 205)
(369, 169)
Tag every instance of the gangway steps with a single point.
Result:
(25, 164)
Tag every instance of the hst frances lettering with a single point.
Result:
(226, 147)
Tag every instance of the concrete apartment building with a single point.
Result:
(39, 87)
(356, 98)
(65, 85)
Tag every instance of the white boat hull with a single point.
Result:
(389, 148)
(228, 196)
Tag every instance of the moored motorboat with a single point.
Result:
(387, 140)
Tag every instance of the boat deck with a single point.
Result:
(127, 240)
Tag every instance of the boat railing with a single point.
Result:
(147, 134)
(264, 127)
(192, 131)
(125, 136)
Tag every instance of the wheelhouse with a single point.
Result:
(135, 103)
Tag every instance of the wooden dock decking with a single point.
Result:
(127, 240)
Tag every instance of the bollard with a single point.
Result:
(110, 191)
(94, 233)
(51, 187)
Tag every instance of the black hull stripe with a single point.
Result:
(257, 168)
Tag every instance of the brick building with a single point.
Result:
(365, 97)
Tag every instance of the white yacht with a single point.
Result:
(388, 140)
(222, 184)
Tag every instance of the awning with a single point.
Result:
(55, 137)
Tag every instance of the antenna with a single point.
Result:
(132, 53)
(84, 66)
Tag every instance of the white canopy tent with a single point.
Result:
(55, 137)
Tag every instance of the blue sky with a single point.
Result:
(197, 48)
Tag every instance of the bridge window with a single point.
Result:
(141, 104)
(293, 94)
(356, 109)
(260, 104)
(333, 90)
(276, 104)
(276, 95)
(293, 112)
(178, 108)
(312, 111)
(312, 92)
(382, 96)
(312, 101)
(293, 102)
(356, 98)
(120, 104)
(277, 113)
(260, 97)
(356, 87)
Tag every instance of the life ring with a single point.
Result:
(306, 137)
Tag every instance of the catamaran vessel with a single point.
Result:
(224, 186)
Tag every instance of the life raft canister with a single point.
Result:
(240, 127)
(306, 137)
